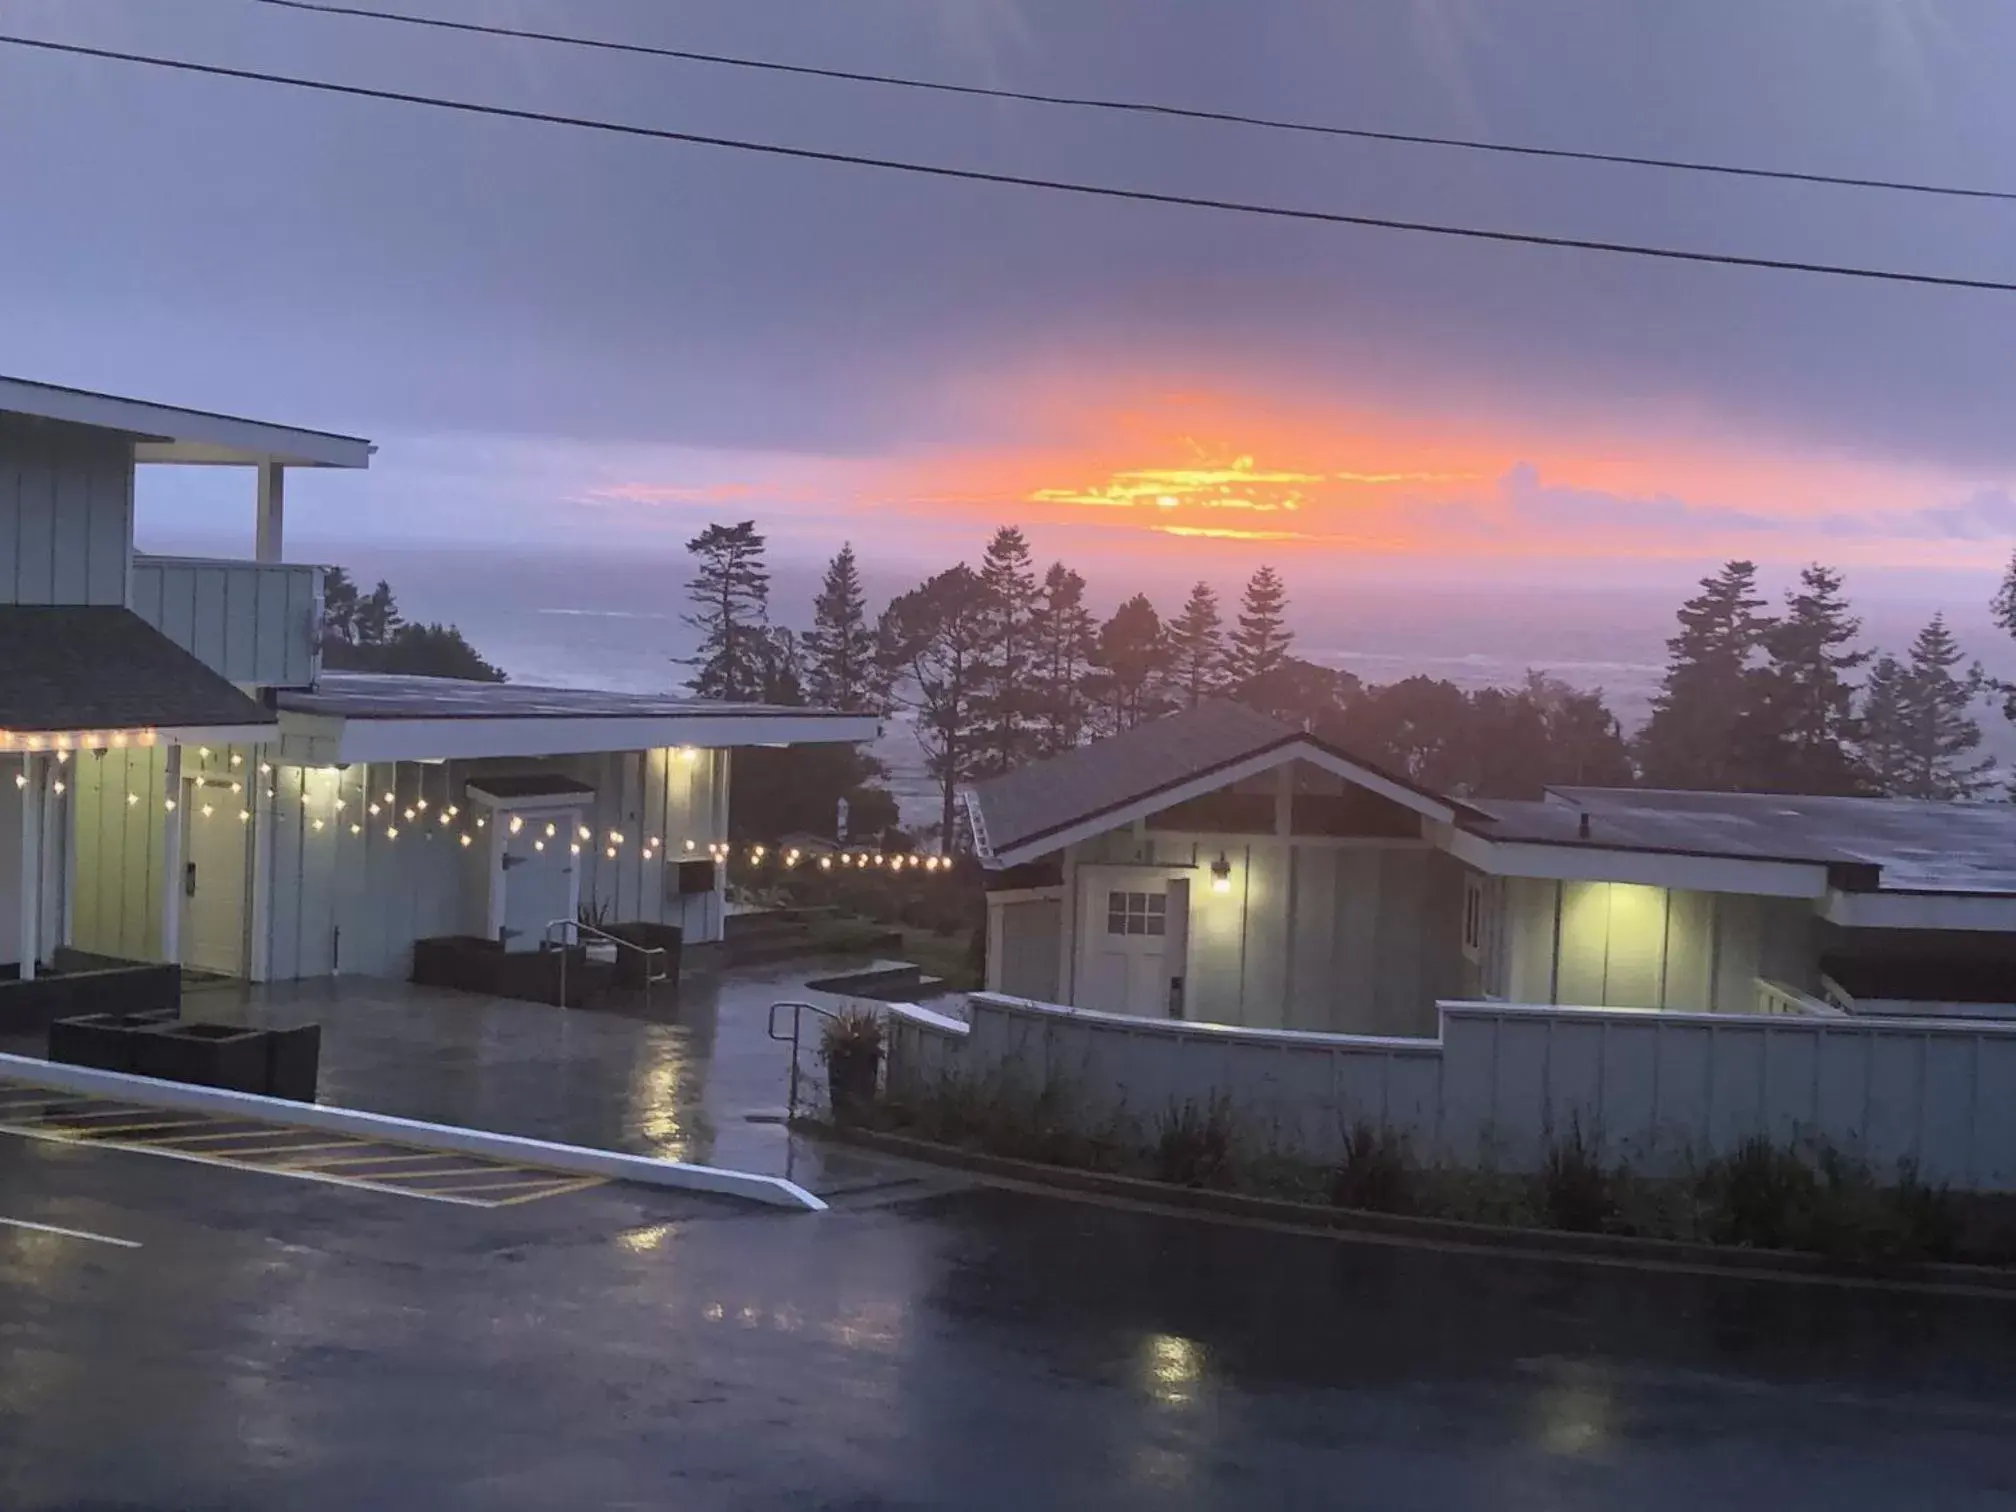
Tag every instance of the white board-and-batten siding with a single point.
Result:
(66, 514)
(341, 889)
(250, 622)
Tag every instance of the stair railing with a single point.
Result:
(654, 955)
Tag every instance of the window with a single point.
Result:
(1137, 913)
(1473, 918)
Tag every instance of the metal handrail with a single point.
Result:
(618, 941)
(798, 1010)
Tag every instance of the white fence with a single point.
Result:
(1503, 1081)
(253, 622)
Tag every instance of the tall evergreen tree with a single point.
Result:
(1007, 715)
(1064, 637)
(1940, 732)
(339, 607)
(730, 592)
(841, 671)
(1132, 658)
(1260, 641)
(377, 616)
(934, 642)
(1697, 733)
(1197, 647)
(1800, 736)
(2004, 608)
(1881, 726)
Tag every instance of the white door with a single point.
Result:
(538, 878)
(213, 880)
(1132, 945)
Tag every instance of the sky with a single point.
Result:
(555, 336)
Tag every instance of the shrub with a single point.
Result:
(1193, 1146)
(1774, 1197)
(1576, 1192)
(1377, 1172)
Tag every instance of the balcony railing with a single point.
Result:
(252, 622)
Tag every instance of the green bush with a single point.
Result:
(1193, 1145)
(1771, 1196)
(1377, 1173)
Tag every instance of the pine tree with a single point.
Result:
(1008, 585)
(1197, 647)
(1260, 642)
(1799, 734)
(1132, 658)
(1064, 637)
(2004, 608)
(1940, 733)
(339, 607)
(1880, 726)
(377, 616)
(1696, 735)
(730, 590)
(839, 650)
(933, 642)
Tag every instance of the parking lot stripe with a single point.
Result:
(242, 1152)
(213, 1134)
(70, 1233)
(99, 1131)
(361, 1160)
(560, 1187)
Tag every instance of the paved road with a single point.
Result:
(272, 1343)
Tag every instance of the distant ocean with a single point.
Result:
(593, 619)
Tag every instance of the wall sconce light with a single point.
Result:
(1221, 874)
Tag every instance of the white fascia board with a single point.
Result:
(217, 735)
(534, 803)
(1589, 863)
(1213, 781)
(1877, 910)
(470, 739)
(184, 435)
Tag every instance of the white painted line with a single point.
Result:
(70, 1233)
(510, 1149)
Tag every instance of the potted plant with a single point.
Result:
(851, 1046)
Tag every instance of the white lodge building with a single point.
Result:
(1221, 866)
(190, 787)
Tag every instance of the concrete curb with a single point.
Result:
(646, 1170)
(1445, 1232)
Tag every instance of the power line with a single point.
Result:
(1149, 107)
(1021, 181)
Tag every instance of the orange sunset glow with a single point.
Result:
(1183, 470)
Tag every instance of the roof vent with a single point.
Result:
(1582, 827)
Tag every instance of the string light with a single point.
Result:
(466, 838)
(420, 804)
(825, 863)
(318, 826)
(244, 814)
(517, 823)
(208, 811)
(265, 770)
(59, 787)
(690, 845)
(356, 829)
(237, 759)
(391, 832)
(537, 845)
(574, 849)
(62, 756)
(374, 811)
(587, 833)
(612, 853)
(203, 752)
(389, 799)
(131, 799)
(237, 787)
(481, 821)
(168, 804)
(615, 837)
(20, 779)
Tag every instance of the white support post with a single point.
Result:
(258, 952)
(171, 856)
(34, 769)
(272, 511)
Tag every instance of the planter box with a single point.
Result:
(293, 1060)
(102, 1041)
(472, 964)
(87, 985)
(204, 1055)
(631, 967)
(465, 962)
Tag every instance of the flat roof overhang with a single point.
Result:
(168, 433)
(332, 740)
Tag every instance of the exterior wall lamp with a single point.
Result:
(1221, 874)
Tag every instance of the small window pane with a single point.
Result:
(1136, 924)
(1156, 925)
(1158, 903)
(1116, 923)
(1116, 902)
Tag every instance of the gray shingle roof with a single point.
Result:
(1047, 796)
(102, 667)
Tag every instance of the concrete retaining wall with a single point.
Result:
(1501, 1081)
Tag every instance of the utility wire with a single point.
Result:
(1148, 107)
(1023, 181)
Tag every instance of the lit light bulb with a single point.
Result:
(237, 787)
(203, 752)
(131, 799)
(237, 759)
(690, 845)
(390, 799)
(465, 840)
(537, 845)
(20, 779)
(587, 833)
(318, 826)
(265, 770)
(612, 853)
(168, 804)
(374, 811)
(244, 814)
(356, 829)
(59, 787)
(615, 837)
(552, 830)
(517, 823)
(208, 811)
(574, 849)
(391, 832)
(481, 822)
(825, 863)
(62, 756)
(420, 804)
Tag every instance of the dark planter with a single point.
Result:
(631, 967)
(293, 1058)
(203, 1055)
(467, 963)
(850, 1079)
(102, 1041)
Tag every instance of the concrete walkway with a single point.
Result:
(698, 1081)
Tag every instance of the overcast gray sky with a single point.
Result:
(546, 327)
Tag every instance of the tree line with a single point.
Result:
(365, 632)
(1004, 663)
